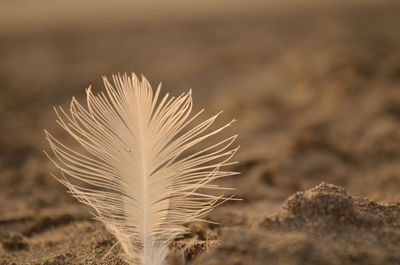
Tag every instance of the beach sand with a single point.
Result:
(316, 92)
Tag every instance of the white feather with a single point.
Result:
(140, 178)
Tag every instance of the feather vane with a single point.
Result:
(135, 167)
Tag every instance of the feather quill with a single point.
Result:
(135, 164)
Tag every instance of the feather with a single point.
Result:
(135, 165)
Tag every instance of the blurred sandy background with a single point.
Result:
(315, 86)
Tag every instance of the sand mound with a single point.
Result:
(323, 225)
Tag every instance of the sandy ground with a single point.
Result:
(316, 91)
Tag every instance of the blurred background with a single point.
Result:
(315, 86)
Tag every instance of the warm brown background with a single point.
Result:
(315, 86)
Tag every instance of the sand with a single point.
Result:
(316, 94)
